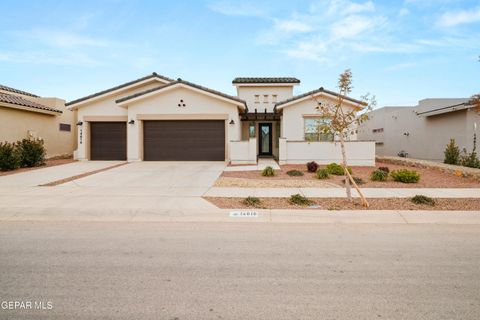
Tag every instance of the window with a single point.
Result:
(257, 98)
(315, 129)
(65, 127)
(265, 98)
(274, 98)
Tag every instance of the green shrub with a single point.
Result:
(386, 169)
(421, 199)
(379, 175)
(32, 152)
(300, 200)
(9, 156)
(268, 172)
(295, 173)
(336, 169)
(470, 159)
(452, 153)
(252, 202)
(358, 180)
(312, 166)
(405, 176)
(322, 174)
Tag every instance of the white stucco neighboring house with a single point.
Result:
(156, 118)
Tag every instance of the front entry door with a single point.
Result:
(265, 139)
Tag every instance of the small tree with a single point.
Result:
(452, 153)
(344, 119)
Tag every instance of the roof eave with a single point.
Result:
(30, 109)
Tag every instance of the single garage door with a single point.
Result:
(108, 141)
(184, 140)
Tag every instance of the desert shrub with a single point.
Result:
(358, 180)
(386, 169)
(252, 202)
(322, 174)
(421, 199)
(294, 173)
(312, 166)
(336, 169)
(470, 159)
(452, 153)
(268, 172)
(300, 200)
(379, 175)
(405, 176)
(32, 152)
(9, 156)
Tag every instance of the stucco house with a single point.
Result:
(422, 131)
(26, 115)
(161, 119)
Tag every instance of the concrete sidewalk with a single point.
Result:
(45, 175)
(340, 192)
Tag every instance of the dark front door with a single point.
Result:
(265, 139)
(108, 141)
(185, 140)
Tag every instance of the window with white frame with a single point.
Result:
(274, 98)
(257, 98)
(265, 98)
(316, 129)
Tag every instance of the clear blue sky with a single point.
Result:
(400, 51)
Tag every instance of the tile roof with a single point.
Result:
(321, 89)
(20, 101)
(265, 80)
(150, 76)
(5, 88)
(191, 84)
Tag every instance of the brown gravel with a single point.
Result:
(48, 163)
(429, 178)
(469, 204)
(273, 183)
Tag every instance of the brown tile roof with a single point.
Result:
(150, 76)
(20, 101)
(321, 89)
(5, 88)
(265, 80)
(191, 84)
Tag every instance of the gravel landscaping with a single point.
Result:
(343, 204)
(430, 178)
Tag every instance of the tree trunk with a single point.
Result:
(348, 188)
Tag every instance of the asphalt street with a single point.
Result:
(162, 270)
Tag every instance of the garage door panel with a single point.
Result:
(108, 141)
(184, 140)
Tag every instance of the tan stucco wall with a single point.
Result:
(248, 93)
(165, 106)
(16, 124)
(293, 125)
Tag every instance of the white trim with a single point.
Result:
(175, 86)
(80, 104)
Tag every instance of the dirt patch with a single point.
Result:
(48, 163)
(468, 204)
(86, 174)
(429, 178)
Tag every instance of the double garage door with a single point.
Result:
(176, 140)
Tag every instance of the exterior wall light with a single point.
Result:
(232, 122)
(131, 121)
(79, 123)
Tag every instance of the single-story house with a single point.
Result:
(156, 118)
(423, 131)
(25, 115)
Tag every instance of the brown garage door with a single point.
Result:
(184, 140)
(108, 141)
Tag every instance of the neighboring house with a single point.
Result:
(422, 131)
(158, 118)
(26, 115)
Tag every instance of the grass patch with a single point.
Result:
(268, 172)
(298, 199)
(253, 202)
(421, 199)
(322, 174)
(295, 173)
(405, 176)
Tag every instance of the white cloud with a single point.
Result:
(352, 26)
(403, 12)
(454, 18)
(235, 8)
(293, 26)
